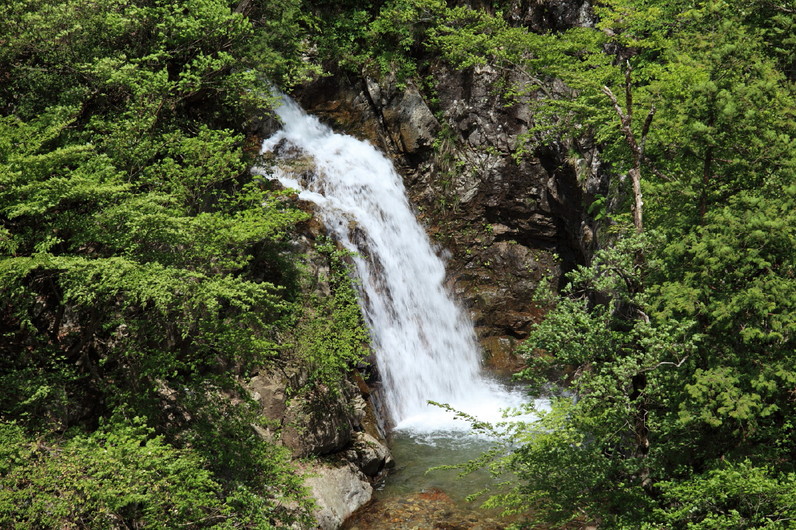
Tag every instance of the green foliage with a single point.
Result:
(673, 348)
(140, 268)
(736, 273)
(735, 495)
(282, 42)
(116, 476)
(379, 38)
(331, 336)
(595, 447)
(120, 475)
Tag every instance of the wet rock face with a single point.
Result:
(405, 116)
(369, 454)
(317, 425)
(345, 104)
(504, 223)
(317, 422)
(550, 15)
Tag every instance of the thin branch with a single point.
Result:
(645, 130)
(781, 9)
(209, 518)
(516, 67)
(656, 172)
(624, 120)
(667, 363)
(607, 91)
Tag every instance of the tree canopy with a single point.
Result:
(143, 268)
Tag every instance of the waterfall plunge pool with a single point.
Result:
(416, 495)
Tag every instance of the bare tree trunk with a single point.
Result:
(243, 7)
(636, 147)
(638, 203)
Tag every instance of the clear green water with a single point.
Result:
(414, 496)
(414, 457)
(415, 454)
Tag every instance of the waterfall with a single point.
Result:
(424, 343)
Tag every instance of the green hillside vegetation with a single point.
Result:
(143, 270)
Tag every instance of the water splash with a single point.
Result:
(425, 346)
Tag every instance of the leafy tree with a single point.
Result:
(111, 478)
(120, 475)
(732, 496)
(675, 342)
(378, 38)
(143, 270)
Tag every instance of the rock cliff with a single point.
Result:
(504, 222)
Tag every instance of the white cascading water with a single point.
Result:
(425, 345)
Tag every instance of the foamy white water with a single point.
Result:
(424, 343)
